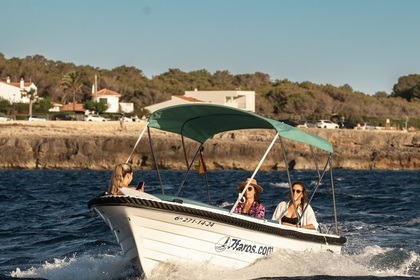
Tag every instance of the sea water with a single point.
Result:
(48, 232)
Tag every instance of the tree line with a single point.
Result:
(63, 82)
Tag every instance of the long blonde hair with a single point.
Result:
(117, 178)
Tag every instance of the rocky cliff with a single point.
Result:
(80, 145)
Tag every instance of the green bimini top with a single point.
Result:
(201, 121)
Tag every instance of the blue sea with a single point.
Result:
(48, 232)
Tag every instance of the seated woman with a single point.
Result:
(287, 214)
(252, 205)
(121, 178)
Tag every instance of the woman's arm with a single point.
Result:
(309, 220)
(280, 211)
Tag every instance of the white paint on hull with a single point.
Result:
(156, 236)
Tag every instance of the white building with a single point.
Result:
(244, 100)
(126, 107)
(175, 100)
(109, 97)
(14, 92)
(55, 107)
(112, 98)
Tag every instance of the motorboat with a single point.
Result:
(158, 228)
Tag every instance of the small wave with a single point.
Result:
(414, 221)
(280, 185)
(374, 261)
(81, 267)
(394, 262)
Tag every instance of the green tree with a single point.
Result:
(222, 80)
(380, 94)
(408, 87)
(32, 96)
(45, 104)
(98, 107)
(4, 105)
(278, 99)
(275, 99)
(72, 83)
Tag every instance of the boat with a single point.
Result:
(159, 228)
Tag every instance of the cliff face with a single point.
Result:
(80, 149)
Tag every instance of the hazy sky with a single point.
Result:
(367, 44)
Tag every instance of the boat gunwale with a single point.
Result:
(226, 218)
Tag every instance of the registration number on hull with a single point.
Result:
(194, 221)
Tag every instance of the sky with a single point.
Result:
(367, 44)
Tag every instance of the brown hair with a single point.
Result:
(120, 171)
(256, 192)
(257, 196)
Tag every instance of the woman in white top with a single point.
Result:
(287, 214)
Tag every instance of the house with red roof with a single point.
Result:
(112, 98)
(107, 96)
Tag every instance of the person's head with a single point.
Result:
(121, 177)
(299, 193)
(252, 191)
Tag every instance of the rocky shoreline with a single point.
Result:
(99, 146)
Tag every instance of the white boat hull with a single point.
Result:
(156, 231)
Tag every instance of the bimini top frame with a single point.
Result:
(200, 122)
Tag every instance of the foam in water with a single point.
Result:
(284, 185)
(300, 264)
(82, 267)
(373, 261)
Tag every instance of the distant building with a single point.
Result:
(55, 107)
(14, 92)
(109, 97)
(175, 100)
(78, 107)
(126, 107)
(244, 100)
(112, 98)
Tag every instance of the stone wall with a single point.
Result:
(101, 146)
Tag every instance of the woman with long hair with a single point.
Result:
(121, 178)
(296, 212)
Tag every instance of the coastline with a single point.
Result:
(99, 146)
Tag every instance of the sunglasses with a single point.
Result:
(296, 191)
(249, 189)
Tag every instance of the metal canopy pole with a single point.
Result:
(185, 149)
(138, 141)
(205, 173)
(315, 161)
(283, 148)
(186, 161)
(188, 170)
(289, 178)
(320, 176)
(334, 205)
(154, 160)
(255, 172)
